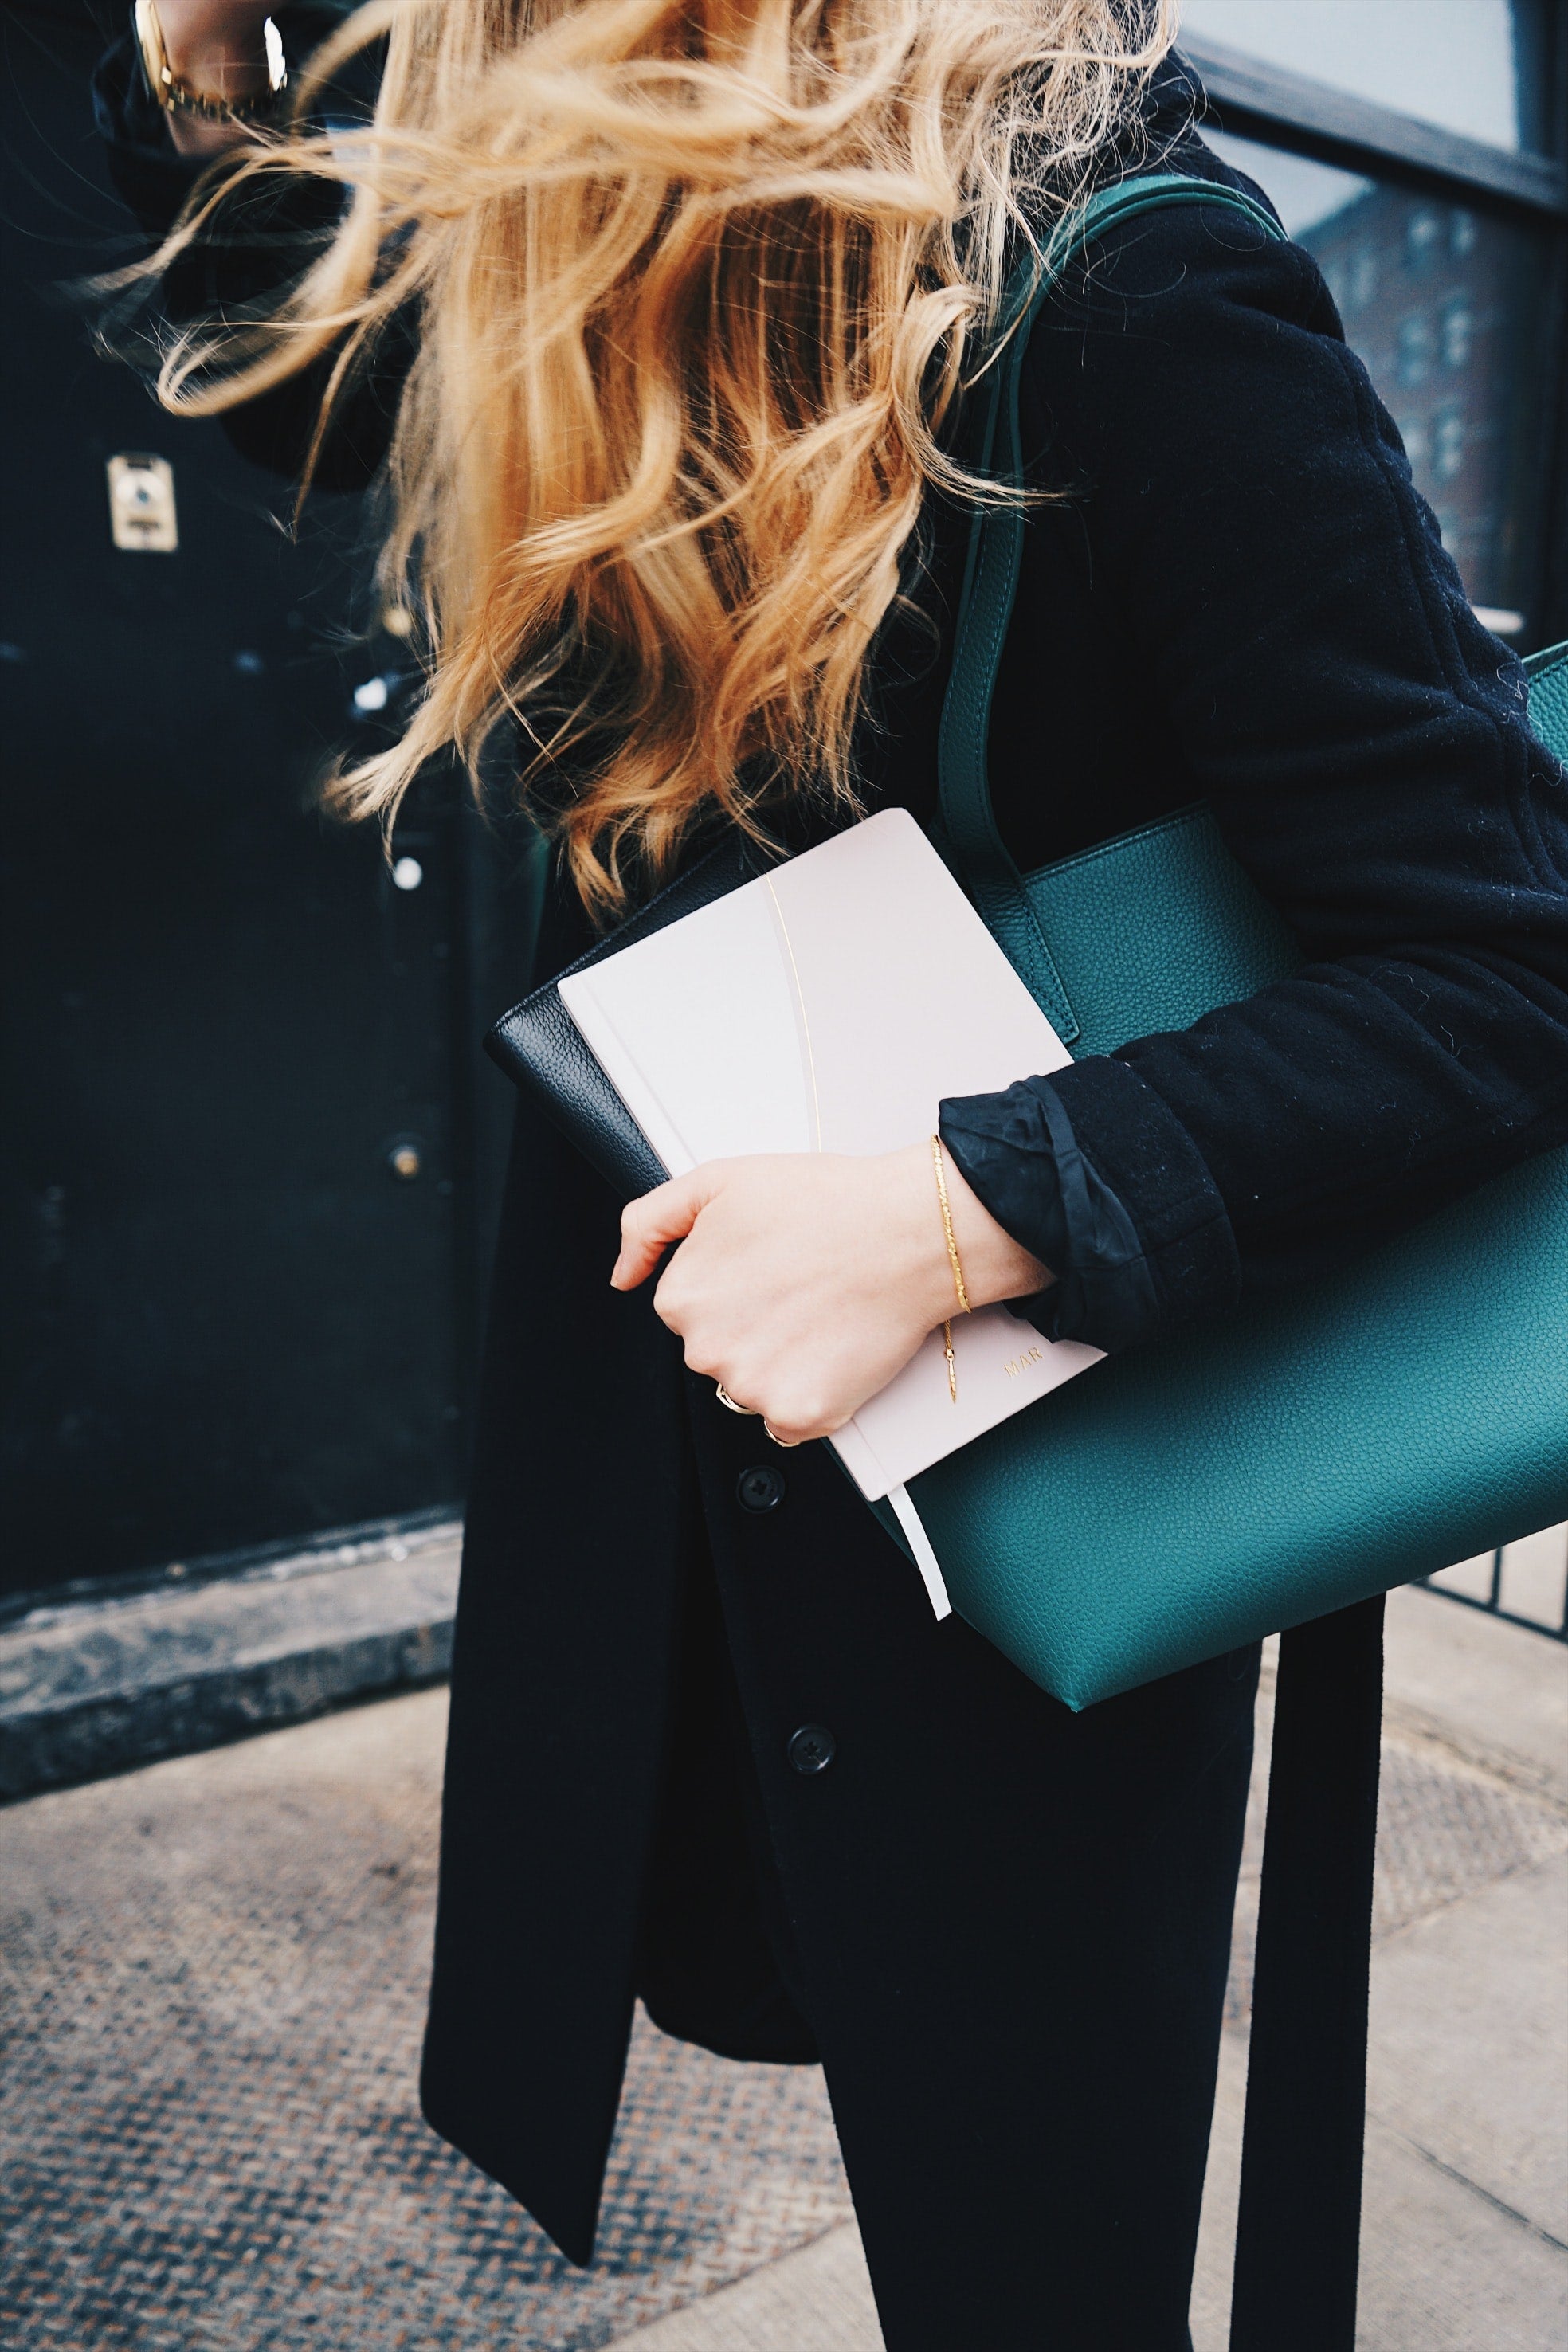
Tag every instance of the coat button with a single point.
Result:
(760, 1489)
(813, 1747)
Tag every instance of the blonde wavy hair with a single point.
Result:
(695, 281)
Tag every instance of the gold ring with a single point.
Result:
(728, 1402)
(786, 1442)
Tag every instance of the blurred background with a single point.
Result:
(250, 1159)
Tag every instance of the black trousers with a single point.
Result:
(1014, 1977)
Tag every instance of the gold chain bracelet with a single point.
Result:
(964, 1306)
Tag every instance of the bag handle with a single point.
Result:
(991, 576)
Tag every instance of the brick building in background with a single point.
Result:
(1437, 299)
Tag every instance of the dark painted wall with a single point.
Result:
(225, 1321)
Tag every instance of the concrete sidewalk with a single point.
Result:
(1464, 2245)
(211, 1974)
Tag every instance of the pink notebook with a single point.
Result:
(828, 1006)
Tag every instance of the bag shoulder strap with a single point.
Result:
(1299, 2223)
(1298, 2232)
(991, 573)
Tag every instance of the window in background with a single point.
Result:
(1445, 304)
(1477, 66)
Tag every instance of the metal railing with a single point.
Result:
(1501, 1573)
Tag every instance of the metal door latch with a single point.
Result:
(142, 503)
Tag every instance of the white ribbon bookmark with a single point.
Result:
(926, 1560)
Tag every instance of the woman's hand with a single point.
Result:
(804, 1281)
(217, 46)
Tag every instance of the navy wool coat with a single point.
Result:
(1004, 1929)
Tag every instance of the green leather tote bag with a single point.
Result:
(1305, 1451)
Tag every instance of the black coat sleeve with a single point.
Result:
(259, 240)
(1281, 593)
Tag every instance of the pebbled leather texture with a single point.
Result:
(539, 1044)
(1154, 929)
(1547, 672)
(1308, 1452)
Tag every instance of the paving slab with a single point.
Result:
(818, 2300)
(1495, 1693)
(1469, 2058)
(1442, 2271)
(1467, 2076)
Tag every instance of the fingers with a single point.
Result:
(795, 1414)
(787, 1434)
(648, 1226)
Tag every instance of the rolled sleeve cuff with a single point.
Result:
(1093, 1174)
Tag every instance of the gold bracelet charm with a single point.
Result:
(964, 1306)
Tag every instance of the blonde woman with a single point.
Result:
(653, 319)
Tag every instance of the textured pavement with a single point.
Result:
(213, 1976)
(212, 1973)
